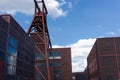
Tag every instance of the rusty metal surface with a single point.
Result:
(38, 31)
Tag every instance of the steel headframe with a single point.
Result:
(38, 31)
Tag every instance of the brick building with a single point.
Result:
(60, 64)
(104, 59)
(16, 51)
(18, 55)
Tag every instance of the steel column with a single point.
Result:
(38, 31)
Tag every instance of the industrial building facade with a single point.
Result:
(60, 64)
(17, 56)
(30, 56)
(104, 59)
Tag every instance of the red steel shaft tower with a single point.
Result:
(38, 31)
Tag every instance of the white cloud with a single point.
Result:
(54, 8)
(27, 7)
(11, 7)
(80, 51)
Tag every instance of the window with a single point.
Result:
(11, 57)
(12, 41)
(38, 56)
(56, 55)
(50, 54)
(55, 64)
(11, 60)
(11, 69)
(41, 64)
(12, 51)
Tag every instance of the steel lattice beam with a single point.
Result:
(38, 31)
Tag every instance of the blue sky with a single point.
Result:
(71, 23)
(85, 19)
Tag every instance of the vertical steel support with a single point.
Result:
(46, 52)
(38, 31)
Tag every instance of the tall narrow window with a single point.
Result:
(11, 57)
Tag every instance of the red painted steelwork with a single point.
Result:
(38, 31)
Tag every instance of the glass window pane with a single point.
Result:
(38, 56)
(12, 51)
(57, 54)
(11, 60)
(12, 41)
(55, 64)
(41, 64)
(11, 69)
(11, 55)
